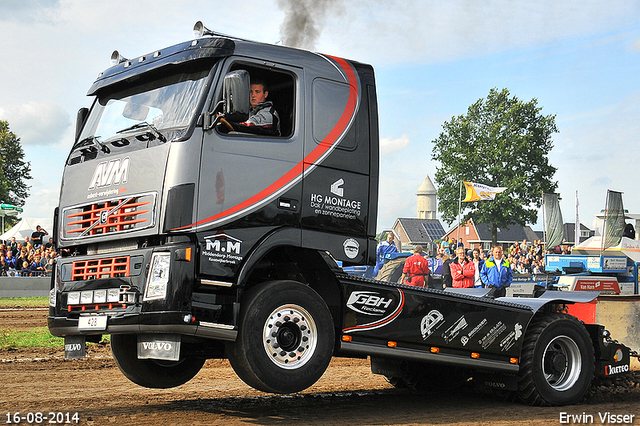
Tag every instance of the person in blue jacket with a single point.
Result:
(384, 248)
(496, 274)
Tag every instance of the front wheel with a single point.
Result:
(557, 361)
(285, 339)
(148, 372)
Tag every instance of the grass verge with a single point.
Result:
(38, 337)
(40, 302)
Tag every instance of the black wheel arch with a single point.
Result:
(278, 258)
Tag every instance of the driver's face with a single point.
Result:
(258, 95)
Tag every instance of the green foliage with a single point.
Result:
(14, 171)
(501, 141)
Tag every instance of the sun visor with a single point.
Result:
(174, 55)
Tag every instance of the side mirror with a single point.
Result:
(83, 113)
(236, 88)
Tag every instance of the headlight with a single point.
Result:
(158, 277)
(73, 298)
(52, 297)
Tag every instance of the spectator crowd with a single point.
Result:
(32, 257)
(465, 268)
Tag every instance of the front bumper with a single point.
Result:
(145, 323)
(123, 305)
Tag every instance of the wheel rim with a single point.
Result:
(290, 336)
(562, 363)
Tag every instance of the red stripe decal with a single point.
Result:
(298, 169)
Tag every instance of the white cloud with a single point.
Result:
(42, 203)
(28, 10)
(389, 146)
(37, 123)
(426, 32)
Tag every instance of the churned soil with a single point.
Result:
(41, 380)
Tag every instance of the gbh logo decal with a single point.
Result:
(109, 173)
(368, 303)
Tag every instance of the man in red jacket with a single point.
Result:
(416, 268)
(462, 270)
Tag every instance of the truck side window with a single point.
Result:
(276, 110)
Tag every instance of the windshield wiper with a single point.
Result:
(142, 124)
(93, 140)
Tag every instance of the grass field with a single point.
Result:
(41, 302)
(38, 337)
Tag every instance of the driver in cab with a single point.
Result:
(263, 117)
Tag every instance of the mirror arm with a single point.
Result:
(207, 123)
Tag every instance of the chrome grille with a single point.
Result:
(117, 215)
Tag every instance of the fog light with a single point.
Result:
(73, 298)
(86, 297)
(158, 277)
(113, 295)
(100, 296)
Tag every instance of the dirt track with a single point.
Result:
(347, 394)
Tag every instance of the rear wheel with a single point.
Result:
(557, 361)
(148, 372)
(285, 339)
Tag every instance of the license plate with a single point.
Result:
(92, 322)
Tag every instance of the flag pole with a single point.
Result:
(459, 210)
(577, 224)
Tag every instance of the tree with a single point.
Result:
(500, 142)
(14, 171)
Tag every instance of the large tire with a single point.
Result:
(148, 372)
(557, 362)
(285, 339)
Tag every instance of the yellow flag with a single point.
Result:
(480, 192)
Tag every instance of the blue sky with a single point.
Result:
(432, 59)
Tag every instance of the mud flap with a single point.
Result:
(75, 347)
(496, 381)
(159, 346)
(387, 367)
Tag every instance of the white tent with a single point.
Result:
(26, 226)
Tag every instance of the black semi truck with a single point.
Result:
(185, 240)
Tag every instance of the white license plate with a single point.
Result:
(92, 322)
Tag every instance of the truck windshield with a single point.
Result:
(166, 104)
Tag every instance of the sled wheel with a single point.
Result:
(285, 339)
(151, 373)
(557, 361)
